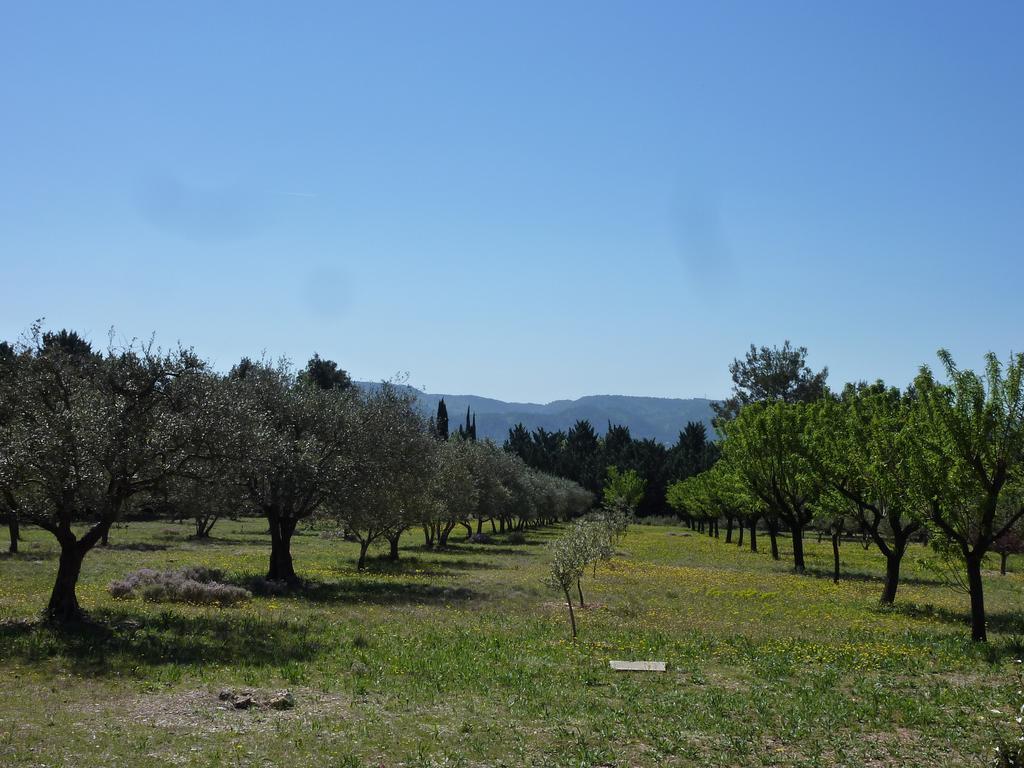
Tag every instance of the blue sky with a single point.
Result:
(523, 200)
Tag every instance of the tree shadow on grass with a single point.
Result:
(483, 549)
(117, 642)
(360, 590)
(826, 573)
(431, 566)
(29, 555)
(1005, 622)
(135, 546)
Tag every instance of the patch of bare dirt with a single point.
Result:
(205, 710)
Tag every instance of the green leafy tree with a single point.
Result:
(715, 493)
(968, 462)
(624, 489)
(764, 446)
(859, 444)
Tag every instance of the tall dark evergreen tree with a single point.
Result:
(693, 453)
(468, 430)
(583, 460)
(618, 444)
(548, 451)
(442, 420)
(519, 443)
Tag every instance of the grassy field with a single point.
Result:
(462, 658)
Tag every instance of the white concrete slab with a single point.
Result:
(638, 666)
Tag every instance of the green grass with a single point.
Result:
(463, 658)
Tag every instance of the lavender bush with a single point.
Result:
(196, 585)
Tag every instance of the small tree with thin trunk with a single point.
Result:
(568, 561)
(1010, 543)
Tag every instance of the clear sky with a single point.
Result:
(522, 200)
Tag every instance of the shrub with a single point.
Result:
(516, 537)
(196, 585)
(481, 538)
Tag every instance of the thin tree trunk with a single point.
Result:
(363, 546)
(393, 541)
(753, 536)
(773, 532)
(14, 530)
(728, 530)
(739, 524)
(580, 590)
(1002, 562)
(835, 556)
(798, 548)
(978, 632)
(572, 616)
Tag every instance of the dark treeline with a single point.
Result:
(90, 437)
(581, 455)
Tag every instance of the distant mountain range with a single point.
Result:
(660, 418)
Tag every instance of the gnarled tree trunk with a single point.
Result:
(393, 542)
(281, 566)
(63, 607)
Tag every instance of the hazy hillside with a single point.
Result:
(659, 417)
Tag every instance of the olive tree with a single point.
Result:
(291, 445)
(452, 495)
(568, 561)
(385, 484)
(91, 433)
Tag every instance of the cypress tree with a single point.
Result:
(442, 420)
(472, 429)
